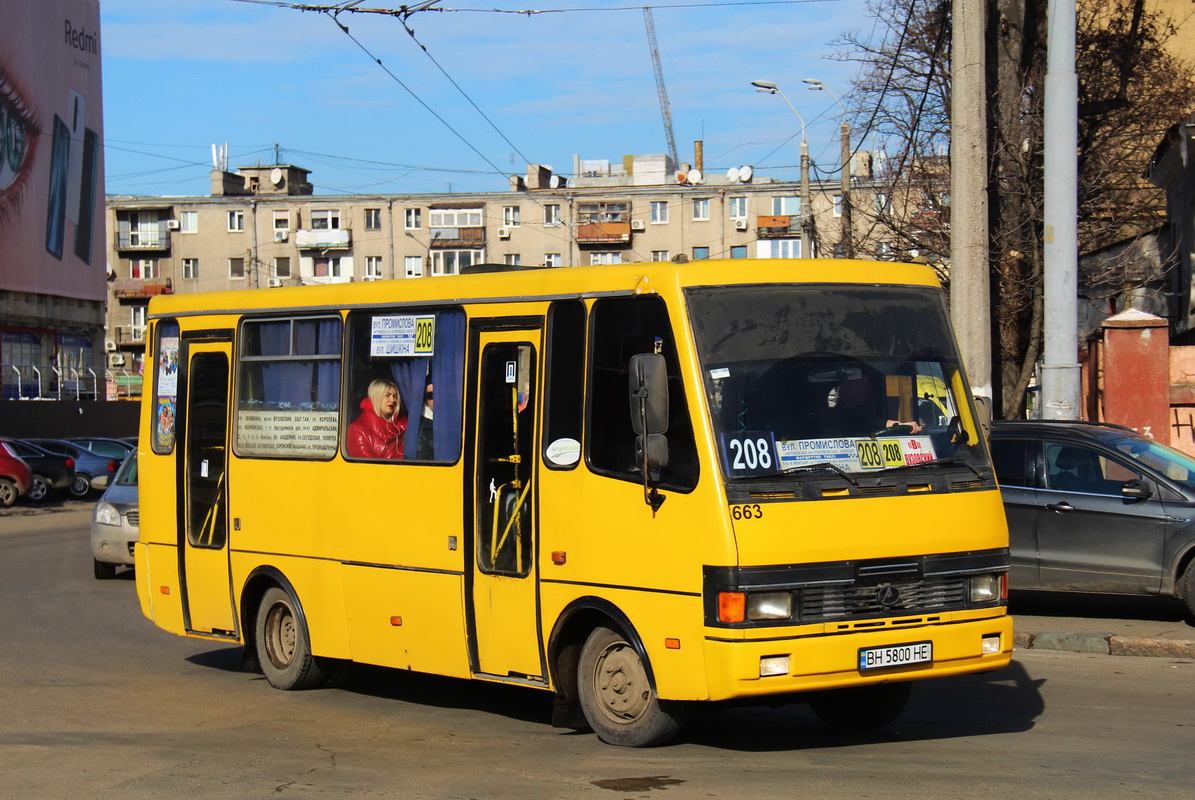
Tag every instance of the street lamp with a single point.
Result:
(767, 87)
(848, 247)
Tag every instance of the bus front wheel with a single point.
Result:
(283, 647)
(862, 709)
(616, 696)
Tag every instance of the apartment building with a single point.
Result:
(262, 227)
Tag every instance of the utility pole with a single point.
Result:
(1060, 367)
(848, 239)
(970, 293)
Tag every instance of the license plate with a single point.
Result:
(896, 655)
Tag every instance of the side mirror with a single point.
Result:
(656, 454)
(649, 393)
(983, 411)
(1136, 489)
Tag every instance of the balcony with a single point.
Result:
(133, 289)
(145, 240)
(324, 239)
(458, 237)
(784, 226)
(604, 233)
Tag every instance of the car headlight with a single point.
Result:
(985, 588)
(106, 514)
(769, 605)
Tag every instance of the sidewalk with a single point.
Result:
(1105, 624)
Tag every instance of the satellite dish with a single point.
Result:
(745, 173)
(681, 177)
(696, 177)
(732, 174)
(276, 176)
(554, 182)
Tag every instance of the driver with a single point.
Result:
(858, 410)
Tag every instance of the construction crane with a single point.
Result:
(665, 109)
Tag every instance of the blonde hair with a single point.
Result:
(377, 391)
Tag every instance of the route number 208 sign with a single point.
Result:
(749, 453)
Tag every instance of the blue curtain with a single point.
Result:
(448, 375)
(296, 382)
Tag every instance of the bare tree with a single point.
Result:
(1130, 91)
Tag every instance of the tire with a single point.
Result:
(283, 646)
(8, 493)
(862, 709)
(616, 696)
(38, 490)
(1186, 588)
(103, 570)
(81, 486)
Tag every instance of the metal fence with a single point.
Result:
(50, 382)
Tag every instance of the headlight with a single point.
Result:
(769, 605)
(985, 588)
(106, 514)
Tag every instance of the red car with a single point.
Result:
(15, 477)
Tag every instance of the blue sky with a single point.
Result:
(182, 75)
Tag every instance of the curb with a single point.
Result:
(1108, 644)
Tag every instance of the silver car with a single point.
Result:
(115, 524)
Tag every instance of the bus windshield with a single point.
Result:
(822, 377)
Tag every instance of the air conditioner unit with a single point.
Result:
(172, 224)
(116, 359)
(637, 225)
(504, 233)
(740, 224)
(280, 236)
(274, 283)
(109, 345)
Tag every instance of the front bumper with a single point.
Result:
(823, 660)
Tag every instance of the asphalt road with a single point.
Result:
(96, 702)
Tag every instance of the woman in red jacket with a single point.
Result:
(379, 430)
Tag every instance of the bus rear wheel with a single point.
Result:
(283, 646)
(616, 696)
(862, 709)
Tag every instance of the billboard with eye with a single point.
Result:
(51, 155)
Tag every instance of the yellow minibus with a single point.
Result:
(635, 486)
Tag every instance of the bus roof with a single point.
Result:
(512, 285)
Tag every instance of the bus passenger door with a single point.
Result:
(203, 528)
(505, 636)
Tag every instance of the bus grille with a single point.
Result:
(874, 600)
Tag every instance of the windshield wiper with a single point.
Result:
(824, 466)
(935, 462)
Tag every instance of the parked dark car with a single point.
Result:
(50, 470)
(113, 448)
(15, 476)
(1096, 508)
(92, 470)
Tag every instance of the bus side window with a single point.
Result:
(430, 386)
(620, 328)
(565, 384)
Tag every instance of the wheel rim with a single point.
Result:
(8, 494)
(80, 487)
(38, 490)
(620, 684)
(281, 636)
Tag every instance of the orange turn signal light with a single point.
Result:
(164, 590)
(732, 606)
(672, 644)
(559, 556)
(396, 621)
